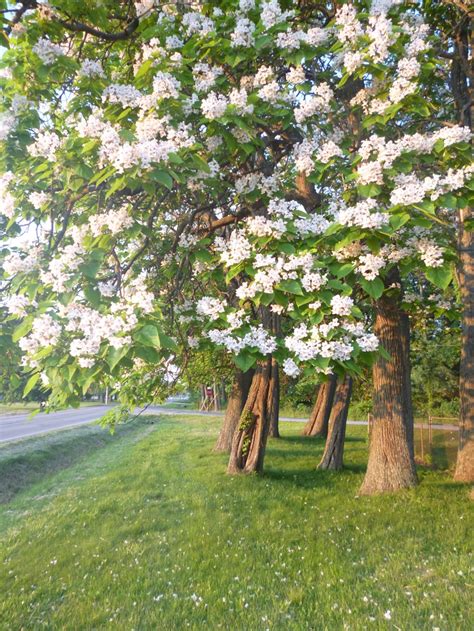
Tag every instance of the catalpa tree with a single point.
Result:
(276, 169)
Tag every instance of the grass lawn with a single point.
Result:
(143, 530)
(23, 407)
(18, 408)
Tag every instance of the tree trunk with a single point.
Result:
(250, 438)
(334, 450)
(391, 463)
(274, 401)
(465, 460)
(235, 405)
(317, 424)
(462, 94)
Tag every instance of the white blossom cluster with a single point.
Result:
(210, 307)
(17, 304)
(386, 152)
(214, 105)
(91, 68)
(313, 342)
(257, 338)
(146, 151)
(205, 76)
(382, 36)
(46, 145)
(243, 34)
(363, 215)
(7, 200)
(85, 328)
(8, 123)
(410, 189)
(38, 199)
(308, 151)
(316, 103)
(197, 23)
(9, 118)
(14, 263)
(48, 51)
(45, 332)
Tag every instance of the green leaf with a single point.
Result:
(166, 341)
(266, 299)
(204, 256)
(399, 220)
(287, 248)
(234, 271)
(373, 287)
(31, 383)
(341, 270)
(292, 287)
(114, 355)
(150, 355)
(440, 276)
(244, 361)
(369, 190)
(22, 329)
(90, 268)
(88, 382)
(162, 177)
(201, 164)
(149, 336)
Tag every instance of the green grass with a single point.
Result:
(28, 406)
(18, 408)
(143, 530)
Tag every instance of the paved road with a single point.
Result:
(18, 426)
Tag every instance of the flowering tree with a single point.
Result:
(261, 176)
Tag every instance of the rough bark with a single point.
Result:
(274, 401)
(463, 97)
(250, 438)
(318, 421)
(465, 460)
(235, 405)
(391, 463)
(334, 449)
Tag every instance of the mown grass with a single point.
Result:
(22, 407)
(143, 530)
(18, 408)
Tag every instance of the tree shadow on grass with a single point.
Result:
(311, 477)
(23, 464)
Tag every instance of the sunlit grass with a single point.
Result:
(143, 530)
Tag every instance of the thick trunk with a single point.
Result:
(235, 405)
(462, 90)
(465, 461)
(274, 401)
(317, 424)
(250, 438)
(391, 463)
(334, 450)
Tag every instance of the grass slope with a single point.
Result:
(143, 530)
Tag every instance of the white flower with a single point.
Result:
(296, 75)
(214, 105)
(290, 368)
(243, 33)
(211, 307)
(369, 265)
(341, 305)
(47, 51)
(38, 199)
(45, 146)
(91, 68)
